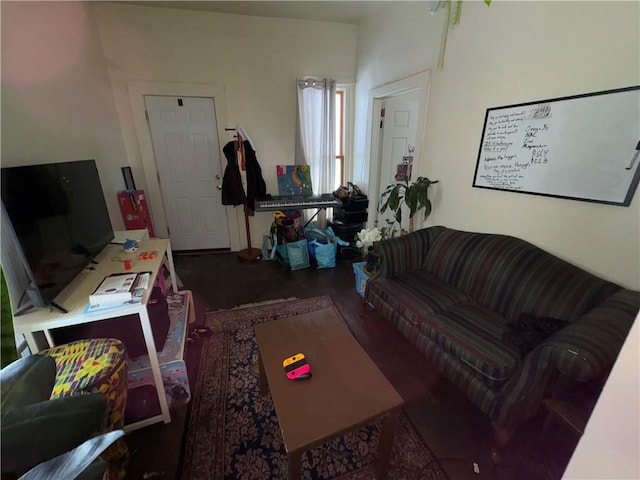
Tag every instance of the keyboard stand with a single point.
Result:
(313, 216)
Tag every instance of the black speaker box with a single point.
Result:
(346, 231)
(358, 203)
(341, 215)
(126, 328)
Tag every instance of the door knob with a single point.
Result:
(218, 176)
(219, 187)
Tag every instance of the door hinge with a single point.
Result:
(146, 115)
(168, 231)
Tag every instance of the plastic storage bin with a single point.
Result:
(361, 277)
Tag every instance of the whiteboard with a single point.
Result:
(583, 147)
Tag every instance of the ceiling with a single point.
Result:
(352, 12)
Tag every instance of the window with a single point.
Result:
(323, 131)
(340, 130)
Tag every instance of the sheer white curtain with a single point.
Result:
(317, 132)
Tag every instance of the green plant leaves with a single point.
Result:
(8, 351)
(414, 196)
(452, 18)
(392, 194)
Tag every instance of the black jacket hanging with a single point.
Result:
(256, 188)
(232, 190)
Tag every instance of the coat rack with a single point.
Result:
(249, 254)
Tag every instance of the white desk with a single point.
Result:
(75, 298)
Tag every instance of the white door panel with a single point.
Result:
(399, 132)
(187, 153)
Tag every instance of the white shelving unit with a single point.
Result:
(173, 349)
(75, 298)
(170, 358)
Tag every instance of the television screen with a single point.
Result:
(60, 219)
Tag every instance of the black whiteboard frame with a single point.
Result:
(634, 182)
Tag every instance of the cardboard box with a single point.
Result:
(361, 277)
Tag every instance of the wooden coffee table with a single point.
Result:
(346, 390)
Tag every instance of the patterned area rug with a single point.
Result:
(233, 431)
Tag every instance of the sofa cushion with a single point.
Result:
(512, 276)
(405, 253)
(528, 331)
(464, 378)
(411, 296)
(473, 334)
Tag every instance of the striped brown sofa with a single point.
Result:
(453, 294)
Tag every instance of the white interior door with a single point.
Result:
(398, 140)
(187, 153)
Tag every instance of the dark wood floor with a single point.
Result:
(455, 430)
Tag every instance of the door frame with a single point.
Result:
(418, 82)
(137, 92)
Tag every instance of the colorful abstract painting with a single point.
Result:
(294, 180)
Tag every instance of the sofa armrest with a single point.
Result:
(405, 253)
(581, 351)
(591, 344)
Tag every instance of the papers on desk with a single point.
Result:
(118, 290)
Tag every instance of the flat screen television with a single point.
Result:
(60, 220)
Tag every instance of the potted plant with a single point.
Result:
(412, 195)
(365, 239)
(452, 18)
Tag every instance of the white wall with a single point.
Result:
(255, 59)
(508, 53)
(57, 103)
(610, 446)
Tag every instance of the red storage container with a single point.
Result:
(135, 211)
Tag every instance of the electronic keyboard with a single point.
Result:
(278, 202)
